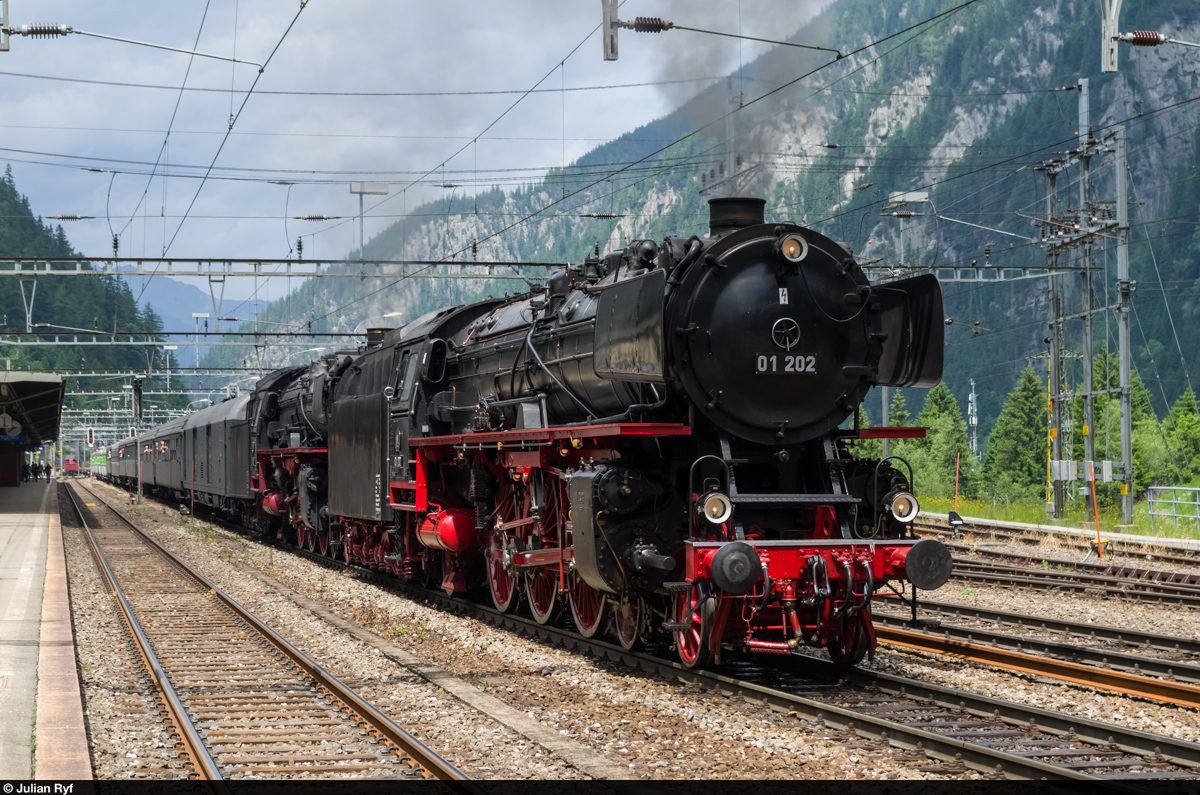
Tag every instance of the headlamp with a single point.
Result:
(903, 506)
(793, 248)
(714, 507)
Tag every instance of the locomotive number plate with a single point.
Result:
(785, 364)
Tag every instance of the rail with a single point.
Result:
(1089, 667)
(855, 700)
(193, 744)
(432, 763)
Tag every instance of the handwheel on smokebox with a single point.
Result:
(587, 607)
(629, 621)
(541, 591)
(692, 644)
(503, 580)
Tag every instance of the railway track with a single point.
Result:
(1108, 568)
(1171, 656)
(942, 729)
(1147, 550)
(993, 573)
(244, 702)
(1116, 667)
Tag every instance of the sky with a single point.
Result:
(54, 131)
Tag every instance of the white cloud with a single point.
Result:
(454, 45)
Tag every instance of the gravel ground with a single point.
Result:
(654, 726)
(1144, 714)
(127, 737)
(1164, 619)
(1151, 716)
(1053, 549)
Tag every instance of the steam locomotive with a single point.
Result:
(653, 440)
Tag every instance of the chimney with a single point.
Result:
(730, 214)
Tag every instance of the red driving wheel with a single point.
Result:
(850, 646)
(502, 582)
(541, 589)
(628, 617)
(692, 643)
(587, 607)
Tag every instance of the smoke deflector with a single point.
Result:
(911, 316)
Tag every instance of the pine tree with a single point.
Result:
(1184, 436)
(867, 449)
(944, 449)
(940, 401)
(898, 416)
(1015, 463)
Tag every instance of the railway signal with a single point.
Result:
(137, 401)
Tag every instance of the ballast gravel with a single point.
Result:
(1097, 704)
(127, 737)
(654, 727)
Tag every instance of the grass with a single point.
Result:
(1074, 517)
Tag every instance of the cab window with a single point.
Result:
(409, 368)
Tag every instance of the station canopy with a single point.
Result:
(31, 406)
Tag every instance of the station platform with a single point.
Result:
(37, 648)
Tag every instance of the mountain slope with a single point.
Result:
(964, 107)
(100, 302)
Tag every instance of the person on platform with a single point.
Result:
(25, 473)
(49, 472)
(37, 472)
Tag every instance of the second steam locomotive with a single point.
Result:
(654, 440)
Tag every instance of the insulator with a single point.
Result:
(44, 31)
(712, 173)
(703, 177)
(317, 217)
(116, 244)
(651, 25)
(987, 251)
(1145, 38)
(738, 161)
(474, 248)
(596, 249)
(299, 248)
(831, 146)
(722, 169)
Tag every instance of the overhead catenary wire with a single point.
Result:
(377, 94)
(167, 137)
(232, 122)
(1167, 305)
(741, 106)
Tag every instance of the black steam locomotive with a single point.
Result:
(654, 438)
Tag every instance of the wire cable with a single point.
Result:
(934, 19)
(163, 149)
(232, 122)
